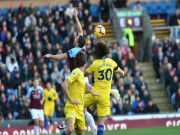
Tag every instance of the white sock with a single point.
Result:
(89, 119)
(36, 130)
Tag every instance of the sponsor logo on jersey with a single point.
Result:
(73, 114)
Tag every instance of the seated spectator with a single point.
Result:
(130, 61)
(173, 59)
(177, 53)
(138, 6)
(178, 71)
(86, 4)
(151, 108)
(22, 114)
(9, 117)
(157, 62)
(135, 103)
(129, 96)
(146, 97)
(174, 19)
(127, 107)
(177, 105)
(139, 109)
(134, 91)
(1, 117)
(104, 9)
(29, 19)
(70, 10)
(163, 66)
(55, 74)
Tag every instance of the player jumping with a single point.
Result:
(79, 45)
(102, 68)
(74, 89)
(36, 96)
(50, 96)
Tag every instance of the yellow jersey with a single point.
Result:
(103, 74)
(52, 94)
(76, 88)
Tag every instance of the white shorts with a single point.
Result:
(37, 114)
(86, 79)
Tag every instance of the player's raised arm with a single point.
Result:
(65, 87)
(57, 57)
(78, 25)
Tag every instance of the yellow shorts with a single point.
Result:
(103, 104)
(48, 111)
(78, 115)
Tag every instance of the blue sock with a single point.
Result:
(46, 124)
(64, 133)
(51, 122)
(100, 130)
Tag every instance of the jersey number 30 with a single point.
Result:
(102, 74)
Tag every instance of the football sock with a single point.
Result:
(100, 130)
(51, 122)
(46, 124)
(64, 133)
(36, 130)
(89, 119)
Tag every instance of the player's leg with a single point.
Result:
(69, 126)
(88, 102)
(50, 118)
(90, 120)
(36, 126)
(79, 132)
(41, 118)
(101, 120)
(46, 122)
(34, 114)
(46, 114)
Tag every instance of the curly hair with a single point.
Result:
(100, 49)
(80, 59)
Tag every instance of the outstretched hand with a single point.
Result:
(75, 12)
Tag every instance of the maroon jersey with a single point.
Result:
(35, 95)
(72, 54)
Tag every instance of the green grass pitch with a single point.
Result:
(142, 131)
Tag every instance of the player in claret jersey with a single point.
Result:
(79, 45)
(36, 96)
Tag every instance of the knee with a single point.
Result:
(41, 125)
(69, 131)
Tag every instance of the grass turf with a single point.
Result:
(142, 131)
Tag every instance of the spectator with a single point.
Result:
(22, 114)
(70, 10)
(1, 117)
(55, 74)
(151, 108)
(139, 109)
(134, 91)
(86, 4)
(163, 66)
(146, 97)
(130, 61)
(173, 21)
(136, 102)
(127, 107)
(138, 6)
(178, 71)
(104, 9)
(177, 105)
(173, 59)
(9, 116)
(129, 96)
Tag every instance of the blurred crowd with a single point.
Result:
(27, 34)
(166, 59)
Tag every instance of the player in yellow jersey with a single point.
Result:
(74, 88)
(50, 96)
(102, 68)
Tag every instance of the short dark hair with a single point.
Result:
(35, 78)
(138, 2)
(100, 49)
(81, 41)
(80, 59)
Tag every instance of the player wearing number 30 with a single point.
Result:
(102, 68)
